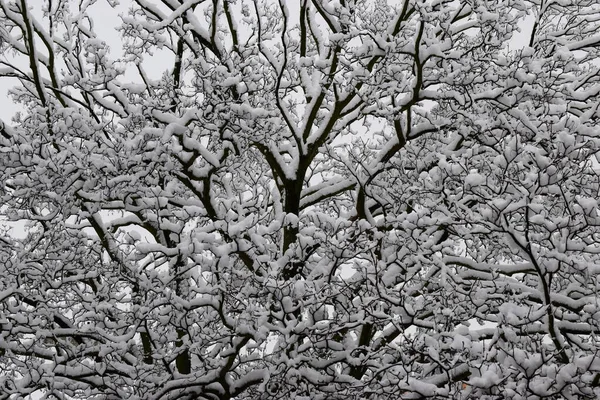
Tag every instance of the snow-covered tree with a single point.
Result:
(315, 200)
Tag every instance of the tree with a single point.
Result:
(317, 200)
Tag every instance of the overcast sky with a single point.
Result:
(107, 19)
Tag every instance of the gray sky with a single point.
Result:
(107, 19)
